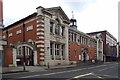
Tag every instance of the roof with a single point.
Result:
(52, 9)
(21, 20)
(82, 33)
(92, 33)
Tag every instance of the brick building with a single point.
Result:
(118, 50)
(82, 47)
(109, 44)
(48, 37)
(38, 39)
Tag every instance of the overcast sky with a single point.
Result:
(91, 15)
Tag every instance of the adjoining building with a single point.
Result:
(38, 39)
(118, 51)
(109, 45)
(99, 47)
(82, 47)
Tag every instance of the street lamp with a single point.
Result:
(24, 47)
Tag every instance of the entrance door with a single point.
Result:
(29, 56)
(84, 57)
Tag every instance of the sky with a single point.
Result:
(91, 15)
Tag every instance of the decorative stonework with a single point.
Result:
(40, 36)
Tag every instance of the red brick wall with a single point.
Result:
(18, 38)
(8, 56)
(73, 46)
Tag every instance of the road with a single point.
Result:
(102, 72)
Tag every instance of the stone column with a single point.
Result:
(14, 57)
(102, 49)
(47, 39)
(35, 57)
(54, 28)
(54, 50)
(98, 49)
(66, 45)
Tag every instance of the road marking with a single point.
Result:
(111, 76)
(87, 75)
(97, 76)
(83, 75)
(64, 72)
(49, 74)
(29, 76)
(103, 69)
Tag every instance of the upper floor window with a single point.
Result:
(51, 27)
(62, 31)
(29, 28)
(10, 34)
(72, 36)
(75, 37)
(4, 37)
(18, 32)
(57, 27)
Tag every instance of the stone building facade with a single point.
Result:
(109, 45)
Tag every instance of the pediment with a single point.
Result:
(58, 11)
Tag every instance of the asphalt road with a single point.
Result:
(102, 72)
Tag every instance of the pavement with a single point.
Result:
(6, 70)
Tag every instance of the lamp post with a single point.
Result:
(24, 47)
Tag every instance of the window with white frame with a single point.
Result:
(29, 28)
(19, 51)
(69, 36)
(4, 37)
(75, 37)
(72, 36)
(51, 51)
(57, 51)
(80, 40)
(18, 32)
(10, 34)
(63, 51)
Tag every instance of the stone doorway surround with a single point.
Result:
(26, 44)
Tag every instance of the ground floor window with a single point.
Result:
(63, 51)
(51, 51)
(57, 51)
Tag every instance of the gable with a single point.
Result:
(58, 11)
